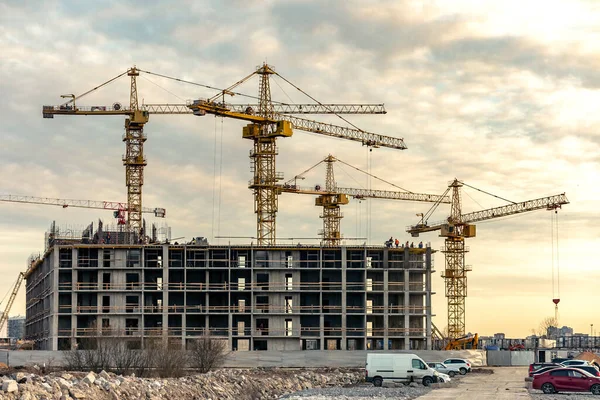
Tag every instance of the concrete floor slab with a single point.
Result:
(506, 383)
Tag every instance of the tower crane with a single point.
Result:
(121, 209)
(137, 115)
(332, 197)
(455, 229)
(266, 125)
(11, 299)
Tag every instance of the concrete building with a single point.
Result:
(16, 327)
(304, 297)
(553, 331)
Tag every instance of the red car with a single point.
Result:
(566, 380)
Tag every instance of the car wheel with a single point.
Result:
(463, 370)
(595, 389)
(548, 388)
(377, 381)
(427, 381)
(441, 380)
(451, 374)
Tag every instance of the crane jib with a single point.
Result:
(549, 203)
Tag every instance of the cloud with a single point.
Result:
(502, 96)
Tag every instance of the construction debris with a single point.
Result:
(221, 384)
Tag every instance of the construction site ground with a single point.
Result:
(504, 383)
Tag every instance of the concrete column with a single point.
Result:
(385, 310)
(53, 315)
(229, 305)
(406, 303)
(165, 291)
(252, 297)
(322, 328)
(428, 309)
(344, 303)
(73, 299)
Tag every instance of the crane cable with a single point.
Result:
(214, 180)
(555, 256)
(374, 176)
(220, 178)
(301, 175)
(319, 103)
(97, 87)
(493, 195)
(196, 84)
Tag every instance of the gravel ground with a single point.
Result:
(362, 392)
(538, 395)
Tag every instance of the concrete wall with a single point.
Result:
(510, 358)
(252, 359)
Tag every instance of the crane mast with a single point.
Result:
(455, 229)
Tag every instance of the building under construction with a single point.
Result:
(303, 297)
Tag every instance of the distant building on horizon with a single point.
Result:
(16, 327)
(499, 336)
(553, 332)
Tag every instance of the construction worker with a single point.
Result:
(406, 245)
(397, 242)
(421, 245)
(412, 244)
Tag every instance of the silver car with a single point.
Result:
(450, 370)
(463, 365)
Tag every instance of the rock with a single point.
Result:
(67, 377)
(10, 386)
(46, 386)
(77, 394)
(21, 377)
(105, 375)
(26, 396)
(90, 378)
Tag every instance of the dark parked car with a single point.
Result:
(566, 380)
(536, 366)
(587, 368)
(559, 360)
(543, 369)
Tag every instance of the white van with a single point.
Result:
(398, 368)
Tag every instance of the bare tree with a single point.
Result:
(207, 353)
(548, 328)
(125, 359)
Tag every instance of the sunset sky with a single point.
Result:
(503, 95)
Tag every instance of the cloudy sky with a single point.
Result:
(500, 94)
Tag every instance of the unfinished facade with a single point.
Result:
(258, 298)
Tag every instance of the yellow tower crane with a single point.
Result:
(137, 115)
(11, 300)
(120, 209)
(455, 229)
(331, 197)
(266, 125)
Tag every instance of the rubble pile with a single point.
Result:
(238, 384)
